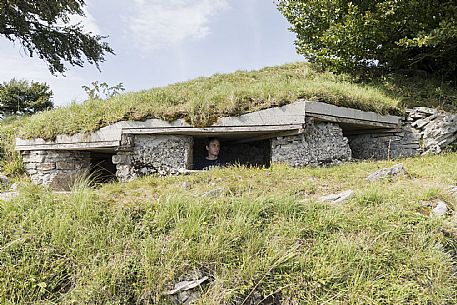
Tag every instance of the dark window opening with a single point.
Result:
(102, 168)
(236, 151)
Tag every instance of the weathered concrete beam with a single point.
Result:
(109, 145)
(263, 136)
(285, 115)
(106, 137)
(213, 130)
(331, 113)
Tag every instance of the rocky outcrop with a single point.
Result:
(437, 128)
(423, 131)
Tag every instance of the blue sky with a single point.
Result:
(158, 42)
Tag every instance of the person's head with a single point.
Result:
(213, 147)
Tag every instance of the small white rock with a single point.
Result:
(440, 209)
(8, 196)
(337, 198)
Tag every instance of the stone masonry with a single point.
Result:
(58, 169)
(424, 130)
(438, 129)
(142, 155)
(379, 145)
(321, 143)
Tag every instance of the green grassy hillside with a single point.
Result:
(262, 232)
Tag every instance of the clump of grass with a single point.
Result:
(10, 160)
(263, 234)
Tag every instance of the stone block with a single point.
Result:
(65, 165)
(122, 159)
(82, 165)
(46, 166)
(322, 143)
(37, 158)
(64, 181)
(30, 166)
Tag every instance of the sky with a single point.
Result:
(159, 42)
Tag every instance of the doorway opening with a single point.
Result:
(102, 168)
(236, 151)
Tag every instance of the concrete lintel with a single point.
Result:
(69, 146)
(288, 114)
(352, 123)
(371, 131)
(96, 139)
(332, 113)
(213, 130)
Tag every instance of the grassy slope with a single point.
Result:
(124, 243)
(201, 101)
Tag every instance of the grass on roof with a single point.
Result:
(201, 101)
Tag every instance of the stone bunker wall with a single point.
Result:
(153, 154)
(424, 130)
(404, 142)
(321, 143)
(57, 168)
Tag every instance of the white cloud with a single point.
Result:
(157, 23)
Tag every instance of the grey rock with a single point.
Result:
(440, 132)
(423, 122)
(187, 290)
(337, 198)
(214, 193)
(8, 196)
(452, 189)
(185, 185)
(4, 181)
(186, 285)
(394, 171)
(440, 208)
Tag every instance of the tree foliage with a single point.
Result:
(20, 98)
(43, 27)
(390, 34)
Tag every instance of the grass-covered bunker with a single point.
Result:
(287, 114)
(299, 134)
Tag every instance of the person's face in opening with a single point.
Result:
(213, 149)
